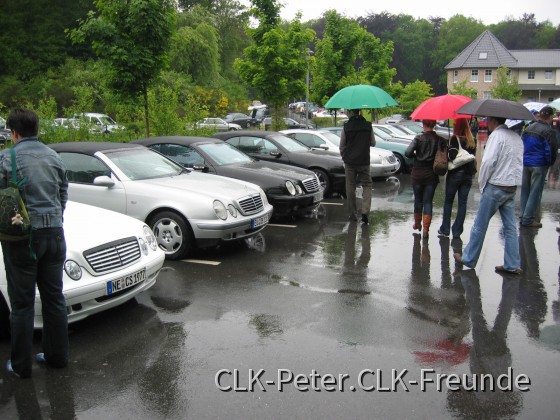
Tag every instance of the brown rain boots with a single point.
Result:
(417, 221)
(426, 221)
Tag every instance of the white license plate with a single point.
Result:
(125, 282)
(259, 221)
(317, 196)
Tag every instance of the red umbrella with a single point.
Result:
(440, 108)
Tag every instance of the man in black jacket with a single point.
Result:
(355, 141)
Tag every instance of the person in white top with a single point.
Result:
(500, 174)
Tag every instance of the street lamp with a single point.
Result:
(309, 54)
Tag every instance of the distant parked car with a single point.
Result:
(383, 163)
(218, 124)
(243, 120)
(395, 132)
(99, 123)
(397, 145)
(290, 123)
(184, 208)
(277, 147)
(292, 191)
(110, 259)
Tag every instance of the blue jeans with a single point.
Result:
(459, 183)
(424, 198)
(23, 275)
(531, 192)
(493, 199)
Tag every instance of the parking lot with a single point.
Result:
(322, 318)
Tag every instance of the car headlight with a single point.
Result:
(220, 210)
(232, 210)
(291, 188)
(150, 238)
(298, 189)
(73, 269)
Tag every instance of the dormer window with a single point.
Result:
(482, 55)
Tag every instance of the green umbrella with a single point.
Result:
(360, 97)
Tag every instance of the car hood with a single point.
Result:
(274, 171)
(381, 152)
(213, 186)
(78, 228)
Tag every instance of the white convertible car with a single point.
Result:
(110, 258)
(184, 208)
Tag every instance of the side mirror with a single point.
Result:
(276, 154)
(103, 181)
(201, 168)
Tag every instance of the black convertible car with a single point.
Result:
(277, 147)
(291, 191)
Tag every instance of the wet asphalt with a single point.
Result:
(322, 318)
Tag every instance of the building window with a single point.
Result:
(548, 75)
(487, 75)
(474, 75)
(482, 55)
(487, 95)
(455, 76)
(531, 75)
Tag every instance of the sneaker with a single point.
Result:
(441, 234)
(10, 369)
(40, 358)
(533, 225)
(501, 269)
(365, 219)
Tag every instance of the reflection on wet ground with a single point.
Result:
(331, 296)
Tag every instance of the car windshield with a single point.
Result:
(224, 153)
(105, 120)
(333, 138)
(142, 163)
(289, 144)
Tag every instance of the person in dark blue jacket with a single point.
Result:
(540, 148)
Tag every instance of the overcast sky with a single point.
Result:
(488, 11)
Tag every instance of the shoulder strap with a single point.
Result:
(14, 170)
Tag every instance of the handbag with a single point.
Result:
(14, 219)
(441, 159)
(462, 158)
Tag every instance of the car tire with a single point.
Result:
(324, 181)
(173, 234)
(4, 319)
(402, 168)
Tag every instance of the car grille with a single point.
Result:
(251, 204)
(311, 184)
(113, 255)
(391, 159)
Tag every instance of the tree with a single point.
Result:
(506, 87)
(275, 65)
(461, 88)
(133, 37)
(413, 94)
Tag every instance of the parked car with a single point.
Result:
(290, 123)
(277, 147)
(217, 124)
(110, 259)
(99, 123)
(184, 208)
(292, 191)
(240, 119)
(383, 163)
(397, 145)
(395, 132)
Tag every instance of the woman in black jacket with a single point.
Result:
(459, 180)
(424, 181)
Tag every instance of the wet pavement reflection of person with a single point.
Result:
(354, 270)
(489, 355)
(531, 304)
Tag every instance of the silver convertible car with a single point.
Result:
(184, 208)
(110, 258)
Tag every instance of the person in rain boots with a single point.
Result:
(424, 181)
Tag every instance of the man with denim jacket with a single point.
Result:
(37, 261)
(499, 176)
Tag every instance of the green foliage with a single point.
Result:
(506, 87)
(413, 94)
(461, 88)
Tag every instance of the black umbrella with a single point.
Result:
(500, 108)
